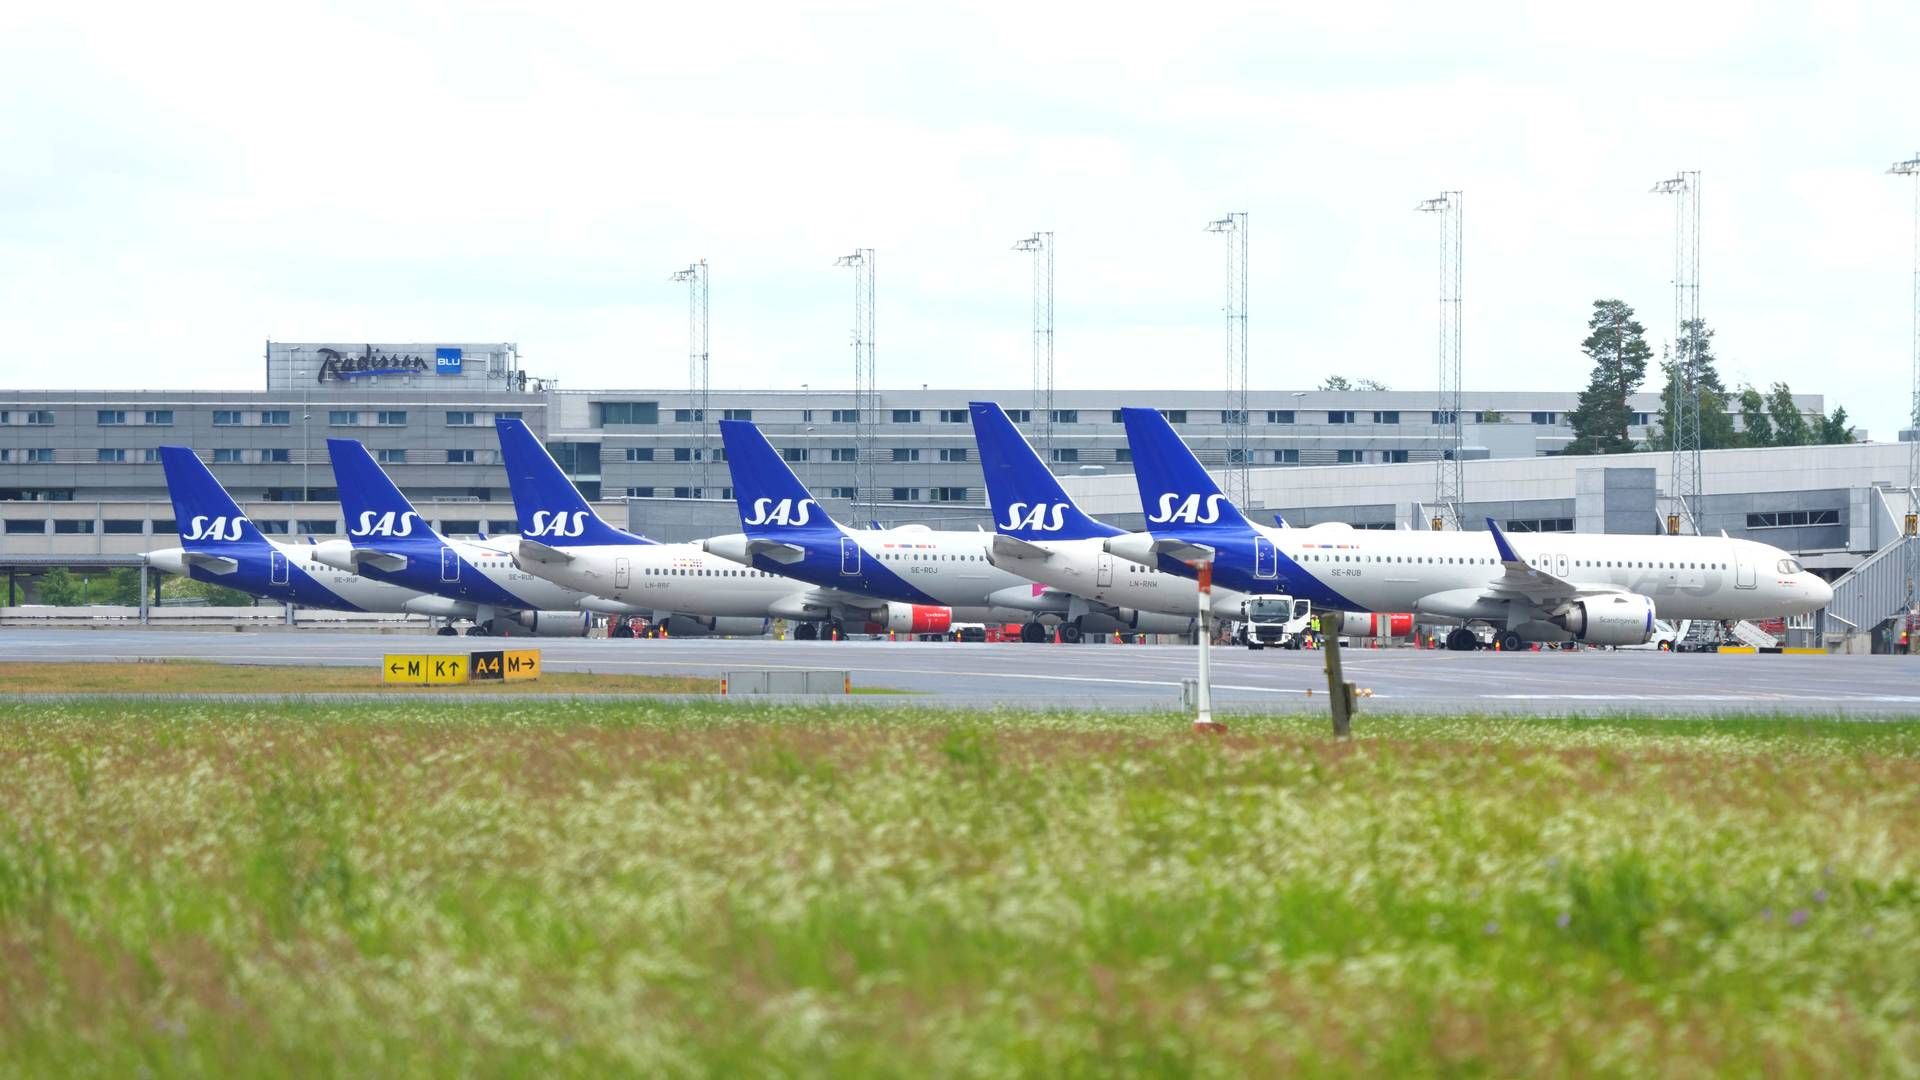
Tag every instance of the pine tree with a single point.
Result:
(1716, 423)
(1617, 345)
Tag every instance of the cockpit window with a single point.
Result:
(1789, 566)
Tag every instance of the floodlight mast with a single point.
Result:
(866, 393)
(1683, 419)
(1449, 482)
(1911, 167)
(1239, 455)
(699, 381)
(1041, 424)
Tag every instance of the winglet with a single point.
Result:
(1500, 544)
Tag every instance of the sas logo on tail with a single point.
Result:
(390, 523)
(1192, 509)
(780, 512)
(558, 523)
(1039, 517)
(203, 527)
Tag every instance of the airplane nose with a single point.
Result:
(1819, 590)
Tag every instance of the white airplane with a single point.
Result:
(1604, 590)
(1043, 536)
(563, 542)
(220, 546)
(388, 541)
(912, 577)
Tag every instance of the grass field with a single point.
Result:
(523, 887)
(200, 676)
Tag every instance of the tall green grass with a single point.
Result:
(710, 888)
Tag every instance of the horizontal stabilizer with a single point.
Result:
(212, 564)
(379, 560)
(779, 551)
(535, 551)
(1009, 547)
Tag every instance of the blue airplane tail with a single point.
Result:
(374, 508)
(1028, 501)
(207, 517)
(549, 508)
(772, 500)
(1175, 491)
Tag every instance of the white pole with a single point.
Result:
(1205, 722)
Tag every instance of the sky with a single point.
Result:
(179, 183)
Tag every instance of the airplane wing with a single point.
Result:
(1523, 582)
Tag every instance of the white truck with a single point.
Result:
(1280, 621)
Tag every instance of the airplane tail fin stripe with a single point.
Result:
(547, 504)
(772, 501)
(1027, 499)
(1175, 490)
(207, 517)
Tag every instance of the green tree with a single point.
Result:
(1716, 422)
(1617, 345)
(1336, 382)
(1835, 430)
(59, 588)
(1790, 427)
(121, 586)
(1371, 384)
(181, 588)
(1754, 418)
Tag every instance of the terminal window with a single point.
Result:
(953, 416)
(954, 453)
(460, 528)
(1020, 416)
(35, 526)
(950, 494)
(1340, 416)
(906, 416)
(392, 418)
(905, 494)
(110, 417)
(1396, 456)
(845, 453)
(846, 416)
(1792, 519)
(905, 454)
(275, 418)
(151, 455)
(1123, 455)
(1350, 457)
(1174, 416)
(507, 414)
(843, 493)
(165, 526)
(639, 493)
(391, 457)
(1232, 416)
(317, 527)
(1540, 525)
(1069, 454)
(61, 525)
(1066, 416)
(1545, 419)
(639, 453)
(106, 455)
(686, 453)
(459, 457)
(160, 417)
(719, 453)
(40, 455)
(626, 412)
(342, 418)
(1279, 416)
(226, 418)
(1386, 416)
(40, 417)
(1286, 457)
(502, 526)
(1443, 416)
(794, 453)
(461, 419)
(689, 416)
(123, 526)
(276, 455)
(226, 456)
(736, 414)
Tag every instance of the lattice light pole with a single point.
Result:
(1041, 245)
(866, 392)
(1683, 420)
(1239, 455)
(699, 381)
(1911, 167)
(1449, 482)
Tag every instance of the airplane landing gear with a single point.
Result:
(1510, 642)
(1033, 633)
(1462, 639)
(1070, 633)
(806, 631)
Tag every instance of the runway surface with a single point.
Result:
(1121, 676)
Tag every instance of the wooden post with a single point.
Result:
(1339, 692)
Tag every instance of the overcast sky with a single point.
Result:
(178, 184)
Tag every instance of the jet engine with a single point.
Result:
(1613, 619)
(554, 623)
(714, 626)
(914, 619)
(1130, 620)
(1398, 624)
